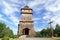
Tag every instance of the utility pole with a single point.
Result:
(51, 27)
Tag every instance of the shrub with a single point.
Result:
(15, 36)
(5, 38)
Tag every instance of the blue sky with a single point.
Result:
(43, 10)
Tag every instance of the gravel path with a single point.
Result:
(35, 39)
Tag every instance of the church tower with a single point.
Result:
(26, 25)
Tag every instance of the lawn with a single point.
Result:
(14, 39)
(55, 38)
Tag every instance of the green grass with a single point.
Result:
(14, 39)
(55, 38)
(0, 38)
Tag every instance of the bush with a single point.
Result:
(15, 36)
(5, 38)
(56, 35)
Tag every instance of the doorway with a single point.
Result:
(26, 31)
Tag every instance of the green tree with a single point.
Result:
(2, 27)
(38, 34)
(8, 32)
(5, 31)
(57, 30)
(48, 32)
(43, 32)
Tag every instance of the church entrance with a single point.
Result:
(26, 31)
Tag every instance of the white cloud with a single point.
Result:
(38, 4)
(9, 11)
(54, 7)
(15, 1)
(14, 19)
(5, 20)
(36, 18)
(55, 15)
(49, 5)
(56, 18)
(47, 16)
(1, 15)
(42, 27)
(39, 29)
(15, 30)
(34, 3)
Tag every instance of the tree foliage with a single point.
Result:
(57, 30)
(5, 31)
(47, 32)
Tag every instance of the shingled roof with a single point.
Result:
(26, 8)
